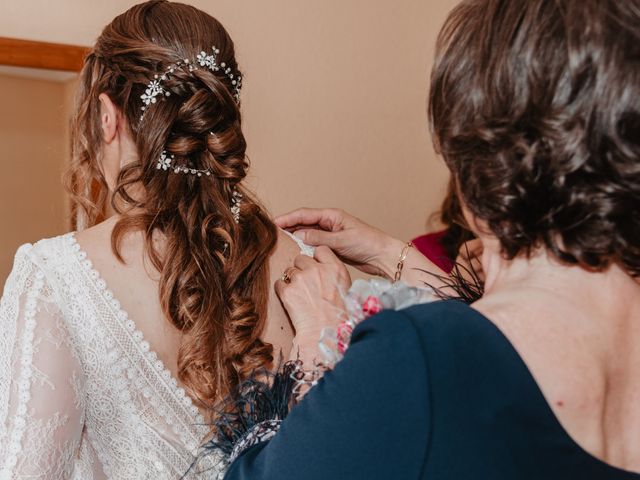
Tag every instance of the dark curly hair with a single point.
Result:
(214, 281)
(457, 232)
(535, 107)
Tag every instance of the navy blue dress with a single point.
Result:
(432, 392)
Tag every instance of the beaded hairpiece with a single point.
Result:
(155, 90)
(164, 163)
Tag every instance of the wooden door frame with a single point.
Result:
(45, 55)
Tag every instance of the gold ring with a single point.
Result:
(286, 276)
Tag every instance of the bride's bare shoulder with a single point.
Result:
(97, 233)
(287, 249)
(96, 242)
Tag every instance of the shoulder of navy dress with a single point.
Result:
(453, 328)
(490, 419)
(442, 327)
(467, 353)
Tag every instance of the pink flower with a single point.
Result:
(371, 306)
(344, 331)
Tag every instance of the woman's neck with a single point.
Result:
(611, 293)
(578, 333)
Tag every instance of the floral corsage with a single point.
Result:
(363, 300)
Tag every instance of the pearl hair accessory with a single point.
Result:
(165, 163)
(154, 88)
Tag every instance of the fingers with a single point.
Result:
(280, 287)
(287, 276)
(319, 237)
(284, 281)
(325, 273)
(302, 262)
(329, 219)
(324, 254)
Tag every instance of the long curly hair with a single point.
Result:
(535, 107)
(214, 280)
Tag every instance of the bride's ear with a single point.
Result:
(109, 118)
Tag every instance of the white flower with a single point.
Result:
(205, 60)
(164, 162)
(153, 90)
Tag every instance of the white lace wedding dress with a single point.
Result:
(81, 394)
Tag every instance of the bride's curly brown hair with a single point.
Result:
(214, 272)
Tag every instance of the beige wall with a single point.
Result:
(334, 100)
(335, 105)
(32, 143)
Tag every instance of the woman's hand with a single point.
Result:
(360, 245)
(312, 292)
(354, 241)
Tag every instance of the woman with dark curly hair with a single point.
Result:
(535, 107)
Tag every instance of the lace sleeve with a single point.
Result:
(41, 382)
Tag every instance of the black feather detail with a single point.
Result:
(463, 284)
(263, 397)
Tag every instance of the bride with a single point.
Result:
(115, 338)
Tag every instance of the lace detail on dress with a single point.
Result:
(82, 396)
(144, 349)
(25, 358)
(40, 412)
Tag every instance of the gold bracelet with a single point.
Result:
(403, 257)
